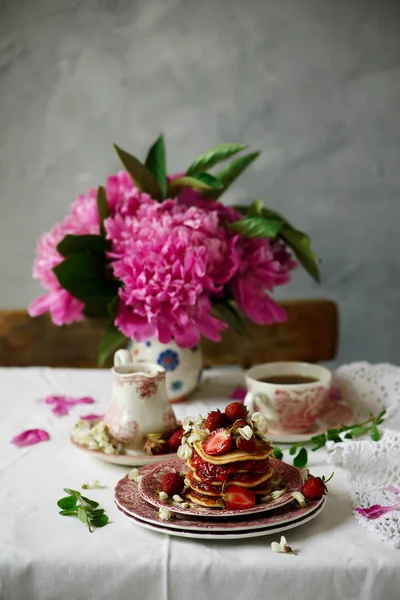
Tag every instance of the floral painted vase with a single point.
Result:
(183, 366)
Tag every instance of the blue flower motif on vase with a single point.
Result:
(169, 360)
(148, 344)
(176, 385)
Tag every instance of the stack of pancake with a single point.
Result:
(208, 475)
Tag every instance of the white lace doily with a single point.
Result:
(373, 466)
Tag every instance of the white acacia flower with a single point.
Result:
(186, 482)
(300, 498)
(255, 417)
(164, 513)
(278, 493)
(282, 546)
(305, 473)
(134, 475)
(185, 505)
(246, 432)
(262, 426)
(93, 485)
(177, 498)
(187, 424)
(184, 451)
(163, 495)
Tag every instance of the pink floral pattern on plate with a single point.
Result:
(128, 498)
(149, 487)
(298, 410)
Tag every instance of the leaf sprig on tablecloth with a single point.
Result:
(299, 450)
(87, 511)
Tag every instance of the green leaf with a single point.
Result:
(84, 276)
(348, 436)
(112, 308)
(111, 339)
(91, 503)
(68, 502)
(156, 164)
(257, 227)
(72, 492)
(69, 513)
(381, 414)
(102, 207)
(301, 459)
(301, 245)
(215, 155)
(97, 512)
(100, 521)
(278, 453)
(227, 312)
(73, 244)
(293, 450)
(359, 430)
(334, 438)
(141, 176)
(232, 171)
(82, 516)
(375, 433)
(199, 182)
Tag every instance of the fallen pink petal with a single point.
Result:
(62, 404)
(238, 393)
(30, 437)
(376, 510)
(391, 488)
(92, 417)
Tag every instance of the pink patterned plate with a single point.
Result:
(126, 460)
(228, 534)
(150, 483)
(128, 499)
(338, 414)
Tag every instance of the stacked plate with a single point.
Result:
(140, 502)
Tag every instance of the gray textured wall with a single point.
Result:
(314, 83)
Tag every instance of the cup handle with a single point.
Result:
(122, 357)
(249, 402)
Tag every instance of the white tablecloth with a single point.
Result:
(46, 556)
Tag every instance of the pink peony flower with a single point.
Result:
(30, 437)
(170, 258)
(263, 265)
(84, 219)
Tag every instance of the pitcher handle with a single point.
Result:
(122, 357)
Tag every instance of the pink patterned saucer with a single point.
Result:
(126, 460)
(150, 483)
(129, 500)
(228, 534)
(338, 414)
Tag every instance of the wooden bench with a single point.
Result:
(309, 334)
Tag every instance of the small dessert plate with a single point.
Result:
(150, 484)
(126, 460)
(211, 534)
(338, 414)
(127, 498)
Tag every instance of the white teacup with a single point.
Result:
(292, 407)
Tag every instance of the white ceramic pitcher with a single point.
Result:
(139, 404)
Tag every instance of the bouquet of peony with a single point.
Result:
(159, 255)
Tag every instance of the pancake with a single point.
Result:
(205, 489)
(207, 501)
(262, 451)
(198, 478)
(249, 480)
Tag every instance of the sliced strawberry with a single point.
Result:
(172, 483)
(235, 411)
(215, 420)
(246, 445)
(238, 498)
(218, 442)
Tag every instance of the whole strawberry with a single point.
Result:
(246, 445)
(215, 420)
(175, 440)
(155, 445)
(172, 483)
(235, 411)
(315, 487)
